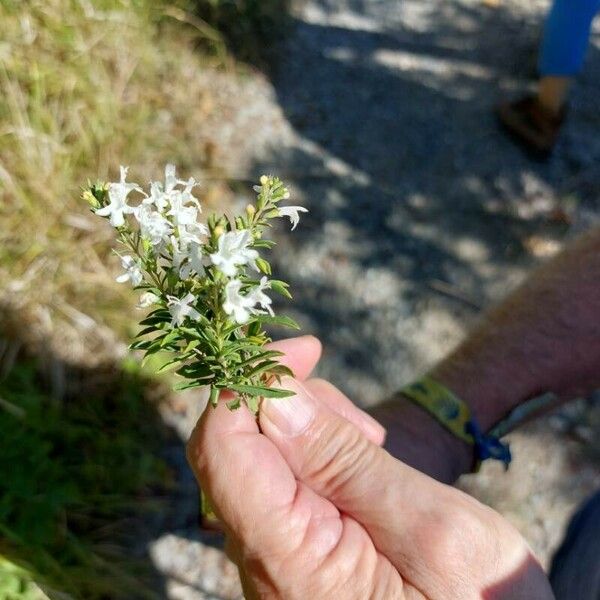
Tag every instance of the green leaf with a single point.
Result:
(186, 385)
(254, 328)
(214, 398)
(170, 337)
(169, 365)
(193, 344)
(265, 392)
(281, 287)
(154, 320)
(264, 355)
(150, 351)
(263, 265)
(282, 321)
(146, 331)
(280, 370)
(263, 244)
(252, 403)
(243, 345)
(261, 367)
(234, 404)
(141, 345)
(195, 371)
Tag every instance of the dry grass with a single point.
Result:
(85, 86)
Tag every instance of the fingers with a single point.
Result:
(224, 452)
(343, 406)
(251, 487)
(331, 456)
(301, 354)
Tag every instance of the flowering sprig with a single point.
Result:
(206, 283)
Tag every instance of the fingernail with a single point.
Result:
(292, 415)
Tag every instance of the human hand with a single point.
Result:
(418, 440)
(314, 508)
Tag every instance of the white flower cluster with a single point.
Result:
(174, 241)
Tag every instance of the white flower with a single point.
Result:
(117, 194)
(184, 207)
(258, 296)
(196, 259)
(233, 251)
(170, 178)
(157, 196)
(132, 273)
(192, 233)
(181, 213)
(179, 256)
(292, 213)
(186, 194)
(180, 309)
(147, 299)
(153, 226)
(242, 307)
(161, 195)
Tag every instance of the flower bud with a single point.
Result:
(264, 180)
(250, 210)
(88, 197)
(219, 231)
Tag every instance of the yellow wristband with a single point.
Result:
(455, 415)
(441, 404)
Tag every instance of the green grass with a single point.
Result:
(77, 474)
(85, 85)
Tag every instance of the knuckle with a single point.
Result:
(337, 453)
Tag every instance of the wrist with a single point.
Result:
(417, 439)
(490, 389)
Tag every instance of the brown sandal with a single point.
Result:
(531, 124)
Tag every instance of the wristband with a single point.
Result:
(455, 415)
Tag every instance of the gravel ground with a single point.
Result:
(379, 115)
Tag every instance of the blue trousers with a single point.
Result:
(575, 573)
(566, 36)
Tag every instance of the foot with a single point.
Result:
(531, 124)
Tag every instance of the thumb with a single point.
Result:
(331, 456)
(441, 541)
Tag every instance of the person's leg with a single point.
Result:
(565, 41)
(552, 92)
(575, 569)
(536, 120)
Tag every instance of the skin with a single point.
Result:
(313, 506)
(544, 337)
(553, 92)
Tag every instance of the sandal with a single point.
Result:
(531, 124)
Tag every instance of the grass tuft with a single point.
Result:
(85, 86)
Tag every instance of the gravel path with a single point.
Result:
(379, 115)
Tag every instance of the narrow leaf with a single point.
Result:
(266, 392)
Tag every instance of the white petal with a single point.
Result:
(104, 211)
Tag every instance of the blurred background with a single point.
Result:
(379, 116)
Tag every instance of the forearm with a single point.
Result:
(545, 336)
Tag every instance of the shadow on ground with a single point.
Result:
(421, 210)
(91, 476)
